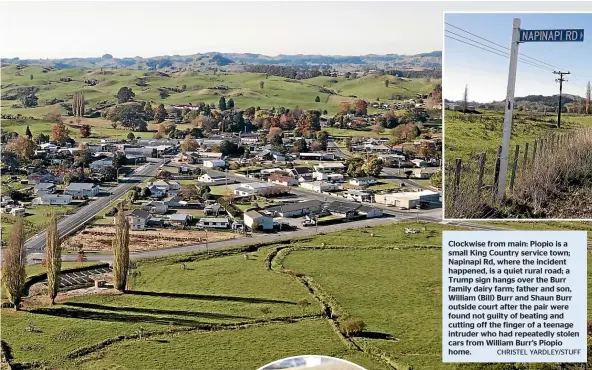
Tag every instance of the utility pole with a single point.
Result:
(509, 111)
(560, 80)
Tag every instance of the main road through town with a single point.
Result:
(70, 223)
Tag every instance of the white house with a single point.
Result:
(53, 199)
(101, 163)
(254, 218)
(109, 141)
(156, 192)
(257, 188)
(214, 178)
(213, 163)
(168, 186)
(358, 195)
(18, 211)
(319, 186)
(408, 200)
(333, 177)
(420, 173)
(214, 222)
(157, 207)
(278, 178)
(363, 181)
(419, 162)
(137, 219)
(44, 188)
(329, 167)
(82, 189)
(48, 147)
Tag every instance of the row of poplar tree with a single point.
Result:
(14, 259)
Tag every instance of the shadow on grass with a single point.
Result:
(375, 335)
(153, 311)
(207, 297)
(114, 317)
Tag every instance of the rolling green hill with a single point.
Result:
(244, 89)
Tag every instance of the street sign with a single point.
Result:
(551, 35)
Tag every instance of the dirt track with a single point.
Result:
(99, 238)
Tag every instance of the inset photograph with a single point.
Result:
(518, 118)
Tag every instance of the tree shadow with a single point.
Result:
(113, 317)
(375, 335)
(207, 297)
(210, 315)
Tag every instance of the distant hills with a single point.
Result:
(532, 102)
(232, 61)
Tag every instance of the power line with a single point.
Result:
(502, 51)
(494, 52)
(505, 47)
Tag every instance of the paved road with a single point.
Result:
(308, 231)
(68, 224)
(400, 177)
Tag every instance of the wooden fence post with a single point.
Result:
(534, 152)
(457, 170)
(525, 157)
(514, 165)
(497, 170)
(481, 173)
(542, 146)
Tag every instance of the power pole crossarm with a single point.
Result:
(561, 80)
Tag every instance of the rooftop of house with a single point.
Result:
(215, 175)
(254, 214)
(213, 219)
(367, 178)
(179, 217)
(342, 207)
(289, 207)
(44, 185)
(138, 213)
(81, 186)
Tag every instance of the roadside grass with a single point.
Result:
(36, 219)
(467, 135)
(542, 225)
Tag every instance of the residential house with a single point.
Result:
(419, 162)
(408, 200)
(317, 156)
(420, 173)
(18, 212)
(179, 219)
(214, 222)
(256, 220)
(329, 167)
(363, 181)
(137, 219)
(43, 188)
(109, 141)
(82, 189)
(157, 207)
(278, 178)
(99, 164)
(156, 192)
(42, 175)
(343, 209)
(258, 188)
(48, 147)
(319, 186)
(6, 201)
(297, 209)
(213, 178)
(168, 186)
(53, 199)
(302, 174)
(214, 163)
(213, 209)
(358, 195)
(369, 212)
(331, 177)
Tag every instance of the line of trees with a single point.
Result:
(15, 259)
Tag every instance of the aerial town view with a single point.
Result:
(227, 203)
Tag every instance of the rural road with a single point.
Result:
(432, 215)
(69, 223)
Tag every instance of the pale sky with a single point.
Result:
(486, 74)
(140, 28)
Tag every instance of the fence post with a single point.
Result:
(481, 173)
(514, 165)
(534, 152)
(457, 170)
(497, 170)
(542, 146)
(525, 157)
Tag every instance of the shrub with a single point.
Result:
(352, 326)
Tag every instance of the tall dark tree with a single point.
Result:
(120, 250)
(222, 103)
(13, 264)
(160, 114)
(28, 133)
(53, 258)
(317, 99)
(230, 104)
(124, 95)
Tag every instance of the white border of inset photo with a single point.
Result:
(444, 84)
